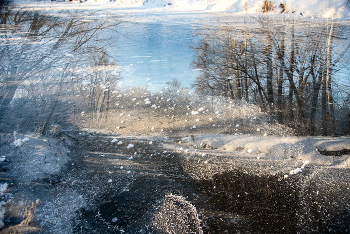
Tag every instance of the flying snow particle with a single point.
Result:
(25, 139)
(115, 219)
(147, 101)
(295, 171)
(201, 109)
(120, 142)
(151, 142)
(130, 146)
(114, 140)
(110, 181)
(17, 143)
(194, 112)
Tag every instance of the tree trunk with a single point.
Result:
(291, 71)
(329, 83)
(281, 53)
(316, 86)
(269, 78)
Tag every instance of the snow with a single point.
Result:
(3, 188)
(130, 146)
(332, 144)
(39, 157)
(298, 170)
(267, 154)
(315, 8)
(19, 142)
(114, 140)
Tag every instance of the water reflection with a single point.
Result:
(286, 65)
(154, 53)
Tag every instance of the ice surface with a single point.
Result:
(176, 215)
(38, 157)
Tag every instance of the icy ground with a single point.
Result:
(115, 184)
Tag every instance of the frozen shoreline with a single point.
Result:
(294, 161)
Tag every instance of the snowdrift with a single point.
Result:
(209, 155)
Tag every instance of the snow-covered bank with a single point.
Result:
(319, 8)
(25, 159)
(208, 155)
(32, 157)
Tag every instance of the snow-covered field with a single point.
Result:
(318, 8)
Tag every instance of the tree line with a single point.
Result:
(287, 65)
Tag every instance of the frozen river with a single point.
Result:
(103, 158)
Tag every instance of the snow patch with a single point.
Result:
(3, 188)
(114, 140)
(130, 146)
(299, 170)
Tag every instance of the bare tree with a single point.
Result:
(35, 43)
(288, 65)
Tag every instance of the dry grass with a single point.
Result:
(139, 112)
